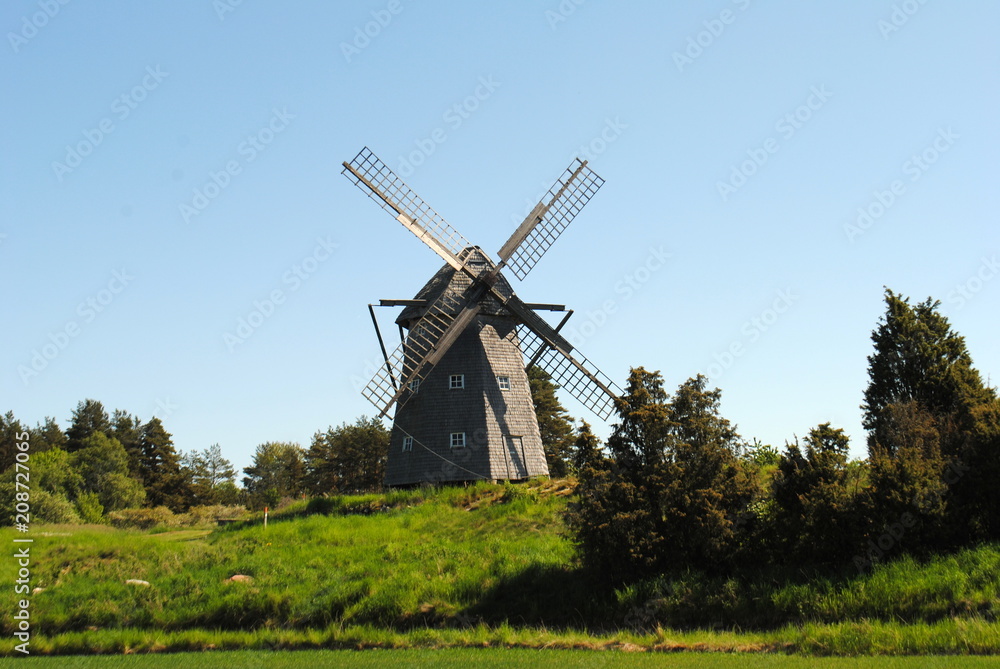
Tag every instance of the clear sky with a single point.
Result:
(168, 168)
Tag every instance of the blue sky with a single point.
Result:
(170, 168)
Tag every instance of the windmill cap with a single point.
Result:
(455, 282)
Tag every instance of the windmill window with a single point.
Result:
(414, 386)
(503, 382)
(407, 444)
(458, 440)
(457, 381)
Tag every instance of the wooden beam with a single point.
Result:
(538, 306)
(403, 303)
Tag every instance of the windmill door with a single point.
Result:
(517, 468)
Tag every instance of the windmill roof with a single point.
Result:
(455, 282)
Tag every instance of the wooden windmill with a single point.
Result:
(463, 408)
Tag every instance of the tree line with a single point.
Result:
(674, 487)
(677, 488)
(103, 463)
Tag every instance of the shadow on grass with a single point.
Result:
(757, 599)
(548, 596)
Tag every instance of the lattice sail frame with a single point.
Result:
(390, 383)
(560, 366)
(413, 359)
(380, 175)
(561, 204)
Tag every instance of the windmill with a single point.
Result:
(458, 379)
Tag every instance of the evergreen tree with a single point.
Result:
(907, 485)
(919, 358)
(587, 449)
(674, 491)
(127, 429)
(12, 432)
(974, 478)
(46, 435)
(924, 395)
(708, 490)
(207, 471)
(554, 423)
(618, 521)
(88, 418)
(160, 470)
(814, 518)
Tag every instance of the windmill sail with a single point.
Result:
(580, 377)
(550, 218)
(426, 343)
(483, 290)
(381, 184)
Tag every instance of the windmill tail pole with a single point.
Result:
(381, 343)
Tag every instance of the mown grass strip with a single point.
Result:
(489, 658)
(957, 637)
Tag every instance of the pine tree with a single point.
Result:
(12, 433)
(924, 390)
(587, 449)
(554, 423)
(673, 492)
(906, 485)
(127, 429)
(974, 479)
(708, 490)
(160, 470)
(207, 472)
(88, 418)
(47, 435)
(919, 358)
(814, 519)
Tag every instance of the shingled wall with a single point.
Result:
(502, 438)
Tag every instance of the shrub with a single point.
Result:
(89, 506)
(324, 505)
(208, 514)
(52, 508)
(141, 519)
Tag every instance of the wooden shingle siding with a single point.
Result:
(501, 431)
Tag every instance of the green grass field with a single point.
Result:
(487, 659)
(487, 565)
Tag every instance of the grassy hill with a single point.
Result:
(488, 564)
